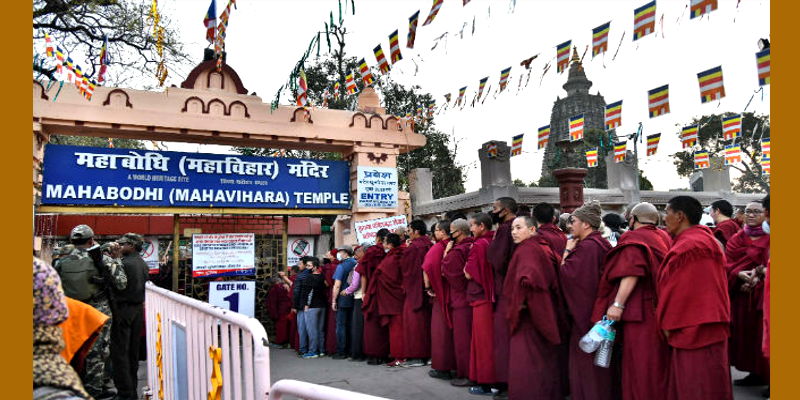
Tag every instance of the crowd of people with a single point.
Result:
(498, 302)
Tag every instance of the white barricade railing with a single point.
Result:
(188, 328)
(310, 391)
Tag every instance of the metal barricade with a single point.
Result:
(310, 391)
(180, 331)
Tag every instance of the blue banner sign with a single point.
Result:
(103, 176)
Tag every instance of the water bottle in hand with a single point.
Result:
(603, 356)
(592, 339)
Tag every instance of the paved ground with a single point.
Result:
(393, 383)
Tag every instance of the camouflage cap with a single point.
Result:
(81, 232)
(132, 238)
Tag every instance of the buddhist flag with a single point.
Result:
(461, 95)
(90, 90)
(562, 56)
(325, 99)
(613, 115)
(700, 7)
(732, 126)
(480, 87)
(591, 157)
(644, 20)
(78, 77)
(382, 63)
(302, 89)
(576, 128)
(394, 47)
(447, 96)
(491, 150)
(437, 4)
(600, 39)
(516, 145)
(336, 91)
(762, 61)
(701, 159)
(48, 45)
(350, 84)
(412, 29)
(544, 134)
(101, 76)
(366, 75)
(504, 78)
(210, 21)
(431, 107)
(60, 58)
(765, 147)
(733, 154)
(658, 100)
(652, 144)
(764, 165)
(711, 85)
(619, 151)
(689, 135)
(70, 68)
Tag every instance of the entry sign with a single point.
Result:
(237, 296)
(377, 187)
(367, 230)
(150, 253)
(223, 254)
(299, 247)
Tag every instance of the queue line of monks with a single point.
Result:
(497, 302)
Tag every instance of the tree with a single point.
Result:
(79, 26)
(710, 137)
(96, 142)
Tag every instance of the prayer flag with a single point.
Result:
(90, 89)
(600, 39)
(733, 154)
(382, 63)
(394, 47)
(764, 165)
(491, 150)
(59, 54)
(516, 145)
(527, 63)
(447, 96)
(481, 86)
(336, 91)
(711, 85)
(419, 111)
(461, 95)
(701, 159)
(78, 77)
(652, 144)
(613, 115)
(431, 107)
(544, 133)
(504, 78)
(562, 56)
(619, 151)
(210, 21)
(576, 128)
(70, 68)
(302, 89)
(700, 7)
(689, 135)
(732, 126)
(437, 4)
(765, 147)
(366, 75)
(350, 84)
(412, 29)
(48, 45)
(591, 157)
(762, 61)
(658, 99)
(101, 76)
(325, 99)
(466, 1)
(644, 20)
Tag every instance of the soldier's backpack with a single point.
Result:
(76, 274)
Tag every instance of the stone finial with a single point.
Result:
(575, 57)
(370, 102)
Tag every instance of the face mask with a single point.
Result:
(452, 235)
(339, 256)
(385, 250)
(765, 227)
(496, 217)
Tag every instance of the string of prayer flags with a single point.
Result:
(700, 7)
(619, 151)
(480, 88)
(101, 76)
(591, 157)
(765, 147)
(491, 150)
(701, 159)
(733, 154)
(576, 128)
(762, 62)
(210, 21)
(394, 47)
(711, 85)
(366, 75)
(504, 78)
(516, 145)
(600, 39)
(302, 89)
(437, 4)
(765, 165)
(544, 134)
(336, 91)
(732, 127)
(412, 29)
(652, 144)
(644, 20)
(613, 115)
(461, 95)
(350, 84)
(48, 45)
(658, 99)
(689, 135)
(562, 56)
(382, 63)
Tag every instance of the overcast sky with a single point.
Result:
(266, 38)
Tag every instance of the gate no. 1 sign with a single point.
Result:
(237, 296)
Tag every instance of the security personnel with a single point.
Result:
(87, 275)
(128, 317)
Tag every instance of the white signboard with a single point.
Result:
(223, 254)
(298, 247)
(366, 230)
(237, 296)
(377, 187)
(150, 253)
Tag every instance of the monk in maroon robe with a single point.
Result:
(726, 226)
(695, 322)
(390, 296)
(330, 315)
(443, 359)
(765, 346)
(376, 336)
(579, 277)
(627, 295)
(499, 254)
(416, 308)
(480, 295)
(279, 308)
(747, 254)
(455, 258)
(535, 316)
(544, 214)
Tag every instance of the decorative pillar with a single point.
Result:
(570, 184)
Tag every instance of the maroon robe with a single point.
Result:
(416, 309)
(765, 345)
(579, 277)
(389, 295)
(330, 319)
(536, 319)
(725, 230)
(461, 312)
(555, 237)
(644, 351)
(747, 308)
(698, 336)
(499, 254)
(442, 353)
(480, 294)
(279, 306)
(376, 336)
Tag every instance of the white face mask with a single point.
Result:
(385, 250)
(339, 256)
(765, 227)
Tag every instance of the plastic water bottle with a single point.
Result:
(603, 356)
(592, 339)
